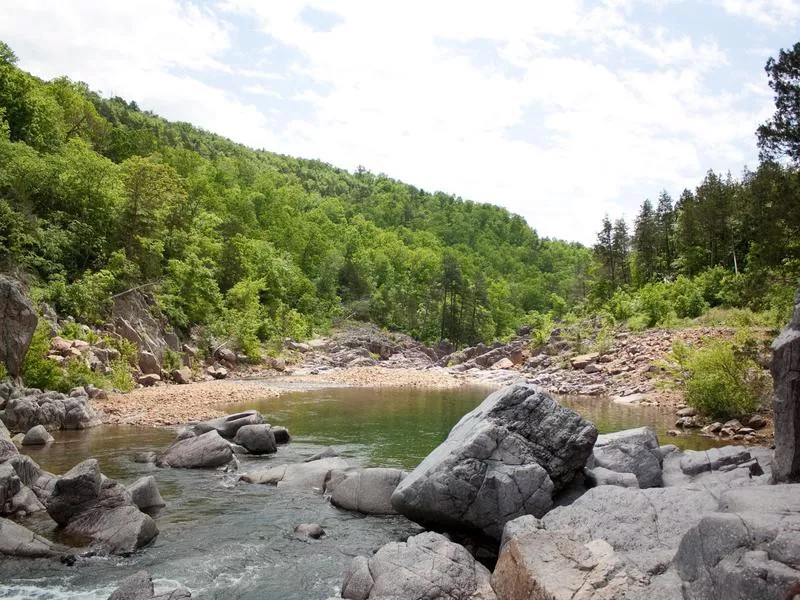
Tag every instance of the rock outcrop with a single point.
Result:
(25, 408)
(428, 565)
(749, 549)
(204, 451)
(87, 504)
(506, 458)
(367, 491)
(785, 369)
(17, 323)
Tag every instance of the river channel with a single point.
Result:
(223, 539)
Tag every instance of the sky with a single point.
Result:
(561, 111)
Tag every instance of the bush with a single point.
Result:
(721, 380)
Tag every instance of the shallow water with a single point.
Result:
(227, 540)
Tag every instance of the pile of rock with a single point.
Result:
(24, 408)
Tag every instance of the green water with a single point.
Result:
(398, 427)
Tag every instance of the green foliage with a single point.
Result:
(542, 326)
(37, 370)
(720, 379)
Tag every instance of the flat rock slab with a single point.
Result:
(750, 549)
(205, 451)
(298, 476)
(428, 566)
(16, 540)
(504, 459)
(368, 491)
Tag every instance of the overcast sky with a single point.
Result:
(559, 110)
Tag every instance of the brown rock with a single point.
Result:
(580, 362)
(182, 375)
(148, 380)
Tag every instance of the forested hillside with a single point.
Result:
(98, 196)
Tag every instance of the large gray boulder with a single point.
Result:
(504, 459)
(368, 491)
(633, 451)
(87, 504)
(16, 540)
(785, 367)
(205, 451)
(257, 439)
(228, 425)
(139, 586)
(751, 549)
(427, 566)
(17, 323)
(299, 476)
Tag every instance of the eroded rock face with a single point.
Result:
(87, 504)
(785, 369)
(428, 566)
(750, 549)
(17, 323)
(504, 459)
(205, 451)
(367, 491)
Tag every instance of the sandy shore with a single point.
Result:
(174, 404)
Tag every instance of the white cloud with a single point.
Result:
(392, 89)
(774, 13)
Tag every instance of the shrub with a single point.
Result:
(654, 303)
(38, 371)
(721, 379)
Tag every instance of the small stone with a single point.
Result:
(309, 530)
(673, 433)
(182, 375)
(278, 364)
(503, 363)
(733, 425)
(592, 368)
(281, 435)
(757, 422)
(715, 427)
(687, 412)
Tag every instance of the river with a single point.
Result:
(227, 540)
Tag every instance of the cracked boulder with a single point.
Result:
(506, 458)
(428, 566)
(749, 549)
(87, 504)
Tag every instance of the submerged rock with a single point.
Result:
(139, 586)
(16, 540)
(205, 451)
(309, 530)
(309, 476)
(367, 491)
(504, 459)
(428, 566)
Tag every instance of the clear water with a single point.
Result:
(226, 540)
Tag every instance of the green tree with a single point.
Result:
(781, 134)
